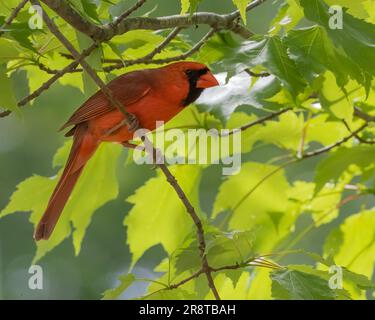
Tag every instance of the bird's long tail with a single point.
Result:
(84, 145)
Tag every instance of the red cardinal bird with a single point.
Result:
(150, 95)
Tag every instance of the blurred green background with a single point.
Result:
(27, 145)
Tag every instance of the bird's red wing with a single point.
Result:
(128, 89)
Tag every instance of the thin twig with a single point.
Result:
(127, 13)
(260, 182)
(258, 261)
(332, 146)
(311, 226)
(193, 276)
(258, 121)
(206, 269)
(48, 70)
(257, 75)
(249, 7)
(12, 16)
(363, 115)
(147, 60)
(359, 138)
(303, 137)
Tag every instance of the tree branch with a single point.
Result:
(360, 139)
(257, 261)
(258, 121)
(364, 116)
(332, 146)
(206, 269)
(257, 75)
(12, 16)
(127, 13)
(105, 32)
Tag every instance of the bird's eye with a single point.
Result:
(189, 72)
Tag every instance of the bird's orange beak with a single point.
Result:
(207, 81)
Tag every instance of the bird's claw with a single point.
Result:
(132, 122)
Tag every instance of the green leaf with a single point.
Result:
(356, 8)
(221, 102)
(8, 50)
(270, 52)
(7, 97)
(321, 129)
(275, 58)
(288, 16)
(31, 195)
(189, 4)
(171, 276)
(222, 249)
(356, 38)
(226, 53)
(185, 4)
(370, 9)
(230, 248)
(19, 32)
(125, 282)
(224, 100)
(249, 136)
(356, 248)
(89, 7)
(322, 206)
(285, 133)
(296, 285)
(158, 212)
(188, 257)
(86, 8)
(359, 280)
(249, 207)
(96, 186)
(331, 168)
(241, 6)
(228, 290)
(334, 99)
(260, 285)
(314, 53)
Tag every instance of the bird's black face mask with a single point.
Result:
(194, 92)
